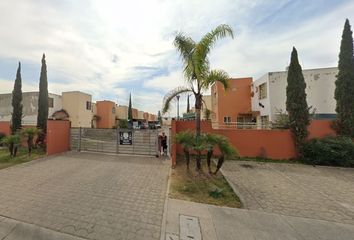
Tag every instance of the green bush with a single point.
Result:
(123, 123)
(2, 135)
(331, 151)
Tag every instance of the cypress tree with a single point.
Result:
(43, 98)
(188, 107)
(344, 92)
(130, 111)
(17, 102)
(159, 117)
(296, 104)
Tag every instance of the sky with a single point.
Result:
(111, 48)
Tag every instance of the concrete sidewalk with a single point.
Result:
(15, 230)
(222, 223)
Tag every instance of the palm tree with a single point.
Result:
(199, 77)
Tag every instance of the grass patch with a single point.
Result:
(22, 156)
(202, 188)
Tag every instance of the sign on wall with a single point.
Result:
(125, 138)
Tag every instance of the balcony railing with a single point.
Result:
(246, 125)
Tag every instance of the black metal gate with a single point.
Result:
(142, 142)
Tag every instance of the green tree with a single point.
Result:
(198, 75)
(43, 98)
(296, 104)
(17, 102)
(130, 110)
(344, 92)
(159, 117)
(30, 133)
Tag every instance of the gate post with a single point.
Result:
(117, 145)
(79, 147)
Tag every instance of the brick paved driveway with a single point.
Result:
(324, 193)
(93, 196)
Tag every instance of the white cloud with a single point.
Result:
(82, 38)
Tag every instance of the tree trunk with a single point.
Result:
(220, 162)
(198, 106)
(209, 155)
(11, 149)
(15, 151)
(186, 155)
(198, 159)
(29, 145)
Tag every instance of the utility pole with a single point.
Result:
(177, 106)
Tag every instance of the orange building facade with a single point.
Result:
(233, 105)
(106, 112)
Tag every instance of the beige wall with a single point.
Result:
(122, 112)
(141, 115)
(75, 104)
(206, 105)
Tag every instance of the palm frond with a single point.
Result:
(216, 76)
(166, 104)
(209, 40)
(184, 45)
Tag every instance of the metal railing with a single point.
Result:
(246, 125)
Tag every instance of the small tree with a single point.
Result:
(296, 104)
(13, 143)
(130, 110)
(30, 133)
(123, 124)
(344, 92)
(186, 139)
(43, 98)
(17, 102)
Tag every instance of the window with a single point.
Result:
(113, 110)
(88, 105)
(264, 121)
(50, 102)
(262, 91)
(227, 119)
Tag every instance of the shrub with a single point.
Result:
(12, 142)
(332, 151)
(2, 135)
(123, 124)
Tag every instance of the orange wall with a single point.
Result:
(58, 136)
(236, 100)
(274, 144)
(104, 111)
(146, 116)
(5, 128)
(321, 128)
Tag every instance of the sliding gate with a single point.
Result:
(142, 142)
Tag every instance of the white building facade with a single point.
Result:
(269, 93)
(30, 106)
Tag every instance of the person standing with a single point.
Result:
(164, 143)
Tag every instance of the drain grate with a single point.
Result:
(189, 228)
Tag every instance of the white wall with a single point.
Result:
(30, 107)
(255, 99)
(320, 86)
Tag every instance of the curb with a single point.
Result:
(165, 210)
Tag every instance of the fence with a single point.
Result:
(140, 142)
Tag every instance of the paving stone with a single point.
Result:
(94, 196)
(324, 193)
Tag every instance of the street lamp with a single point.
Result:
(177, 106)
